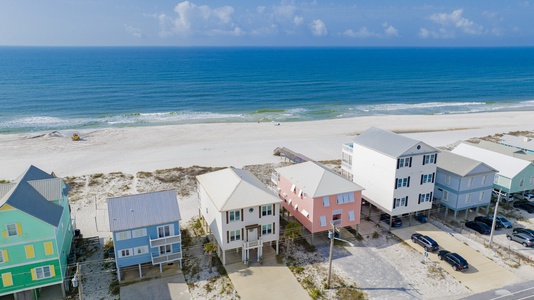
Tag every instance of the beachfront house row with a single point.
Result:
(146, 229)
(515, 175)
(239, 211)
(519, 142)
(36, 235)
(397, 172)
(318, 197)
(463, 183)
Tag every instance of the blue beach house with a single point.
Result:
(146, 229)
(463, 183)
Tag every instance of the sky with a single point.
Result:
(387, 23)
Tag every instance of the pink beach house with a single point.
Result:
(317, 196)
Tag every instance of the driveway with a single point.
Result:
(165, 288)
(483, 274)
(268, 281)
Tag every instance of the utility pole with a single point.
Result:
(494, 218)
(331, 252)
(77, 280)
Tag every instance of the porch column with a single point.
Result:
(455, 212)
(446, 212)
(161, 268)
(476, 211)
(487, 209)
(466, 212)
(224, 257)
(357, 227)
(410, 219)
(141, 273)
(312, 239)
(119, 274)
(370, 208)
(276, 247)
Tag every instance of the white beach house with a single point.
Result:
(396, 172)
(240, 211)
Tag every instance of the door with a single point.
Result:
(252, 234)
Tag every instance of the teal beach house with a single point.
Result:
(36, 233)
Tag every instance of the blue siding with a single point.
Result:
(458, 190)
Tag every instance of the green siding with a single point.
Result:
(32, 228)
(22, 277)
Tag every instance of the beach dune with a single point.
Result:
(130, 150)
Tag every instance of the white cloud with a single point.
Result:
(362, 33)
(261, 9)
(442, 33)
(134, 31)
(297, 20)
(318, 28)
(456, 20)
(195, 19)
(284, 11)
(390, 31)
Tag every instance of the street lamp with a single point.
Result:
(333, 237)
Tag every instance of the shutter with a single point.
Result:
(430, 196)
(242, 216)
(274, 223)
(435, 158)
(408, 185)
(34, 274)
(419, 201)
(49, 249)
(4, 233)
(406, 201)
(421, 178)
(227, 217)
(52, 271)
(260, 212)
(274, 210)
(19, 229)
(394, 200)
(30, 253)
(242, 233)
(396, 182)
(227, 237)
(6, 257)
(410, 162)
(423, 160)
(398, 162)
(7, 279)
(433, 175)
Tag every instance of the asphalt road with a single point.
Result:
(520, 291)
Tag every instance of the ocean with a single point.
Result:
(59, 88)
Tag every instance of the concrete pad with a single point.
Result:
(267, 281)
(483, 274)
(172, 287)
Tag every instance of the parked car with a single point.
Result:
(427, 242)
(522, 238)
(524, 205)
(488, 221)
(397, 222)
(478, 227)
(523, 230)
(502, 220)
(421, 218)
(455, 260)
(529, 197)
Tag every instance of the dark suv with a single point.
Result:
(396, 222)
(478, 227)
(488, 221)
(524, 205)
(457, 262)
(428, 243)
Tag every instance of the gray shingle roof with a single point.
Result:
(317, 180)
(25, 197)
(462, 165)
(143, 210)
(386, 142)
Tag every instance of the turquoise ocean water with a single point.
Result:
(45, 88)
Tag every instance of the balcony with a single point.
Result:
(274, 178)
(166, 258)
(336, 222)
(347, 148)
(252, 244)
(165, 241)
(346, 165)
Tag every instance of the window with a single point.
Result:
(467, 198)
(404, 162)
(267, 229)
(496, 179)
(293, 187)
(165, 249)
(445, 196)
(123, 235)
(30, 252)
(351, 215)
(484, 178)
(140, 250)
(326, 201)
(427, 178)
(447, 179)
(345, 198)
(300, 193)
(3, 256)
(235, 215)
(43, 272)
(481, 196)
(429, 159)
(7, 280)
(235, 235)
(521, 182)
(164, 231)
(125, 252)
(402, 182)
(470, 182)
(49, 248)
(139, 232)
(397, 202)
(322, 220)
(425, 197)
(12, 229)
(531, 181)
(267, 210)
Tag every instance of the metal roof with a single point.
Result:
(461, 165)
(507, 166)
(232, 188)
(388, 143)
(317, 180)
(510, 151)
(521, 142)
(23, 196)
(142, 210)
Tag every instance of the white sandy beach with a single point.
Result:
(130, 150)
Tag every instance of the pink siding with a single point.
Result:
(315, 207)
